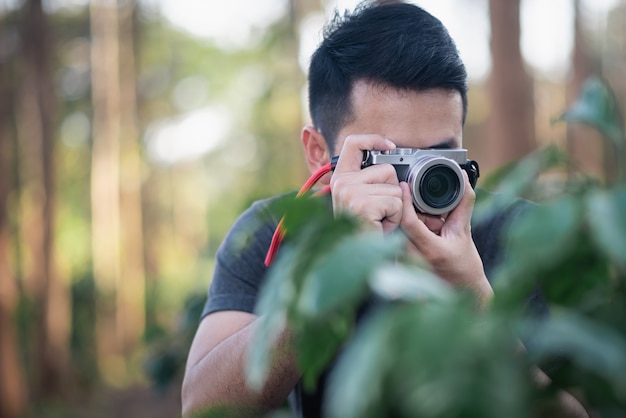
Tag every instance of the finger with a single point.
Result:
(460, 218)
(351, 155)
(381, 211)
(433, 222)
(375, 174)
(362, 192)
(413, 227)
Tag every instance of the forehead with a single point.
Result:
(411, 119)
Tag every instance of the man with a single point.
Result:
(388, 75)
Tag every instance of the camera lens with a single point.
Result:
(436, 184)
(439, 186)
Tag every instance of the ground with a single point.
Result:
(135, 402)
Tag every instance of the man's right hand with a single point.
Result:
(372, 194)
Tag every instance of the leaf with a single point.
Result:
(341, 276)
(312, 236)
(275, 296)
(318, 343)
(515, 177)
(597, 106)
(607, 216)
(355, 386)
(545, 232)
(261, 350)
(551, 250)
(514, 181)
(429, 359)
(591, 346)
(403, 282)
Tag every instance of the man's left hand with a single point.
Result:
(446, 242)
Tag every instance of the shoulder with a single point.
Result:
(253, 229)
(239, 264)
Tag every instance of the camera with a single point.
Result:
(434, 175)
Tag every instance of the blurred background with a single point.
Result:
(133, 133)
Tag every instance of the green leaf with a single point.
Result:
(312, 235)
(544, 233)
(341, 276)
(261, 351)
(551, 250)
(399, 282)
(589, 345)
(607, 216)
(597, 106)
(355, 386)
(430, 359)
(514, 181)
(275, 297)
(318, 343)
(516, 177)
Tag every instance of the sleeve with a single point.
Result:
(239, 265)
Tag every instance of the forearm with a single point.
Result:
(219, 379)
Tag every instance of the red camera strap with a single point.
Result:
(279, 233)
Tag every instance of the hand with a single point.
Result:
(446, 243)
(372, 194)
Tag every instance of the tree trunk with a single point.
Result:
(12, 378)
(614, 68)
(36, 137)
(105, 193)
(131, 294)
(117, 233)
(584, 145)
(510, 127)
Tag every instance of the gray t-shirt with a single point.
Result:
(240, 269)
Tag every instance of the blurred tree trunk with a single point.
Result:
(105, 193)
(131, 295)
(117, 239)
(36, 113)
(510, 126)
(12, 378)
(299, 11)
(613, 70)
(583, 144)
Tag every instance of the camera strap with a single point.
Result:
(279, 232)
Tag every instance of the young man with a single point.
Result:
(388, 75)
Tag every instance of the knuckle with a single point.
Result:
(471, 193)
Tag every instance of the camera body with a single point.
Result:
(434, 175)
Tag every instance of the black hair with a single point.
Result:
(382, 42)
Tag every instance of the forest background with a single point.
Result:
(128, 146)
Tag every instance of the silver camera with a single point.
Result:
(434, 175)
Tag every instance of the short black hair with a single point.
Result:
(383, 42)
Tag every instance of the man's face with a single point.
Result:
(426, 119)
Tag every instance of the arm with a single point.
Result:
(215, 371)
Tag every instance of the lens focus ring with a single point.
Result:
(436, 184)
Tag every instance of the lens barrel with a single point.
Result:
(436, 183)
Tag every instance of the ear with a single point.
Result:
(315, 148)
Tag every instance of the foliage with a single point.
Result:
(425, 350)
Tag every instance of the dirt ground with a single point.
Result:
(135, 402)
